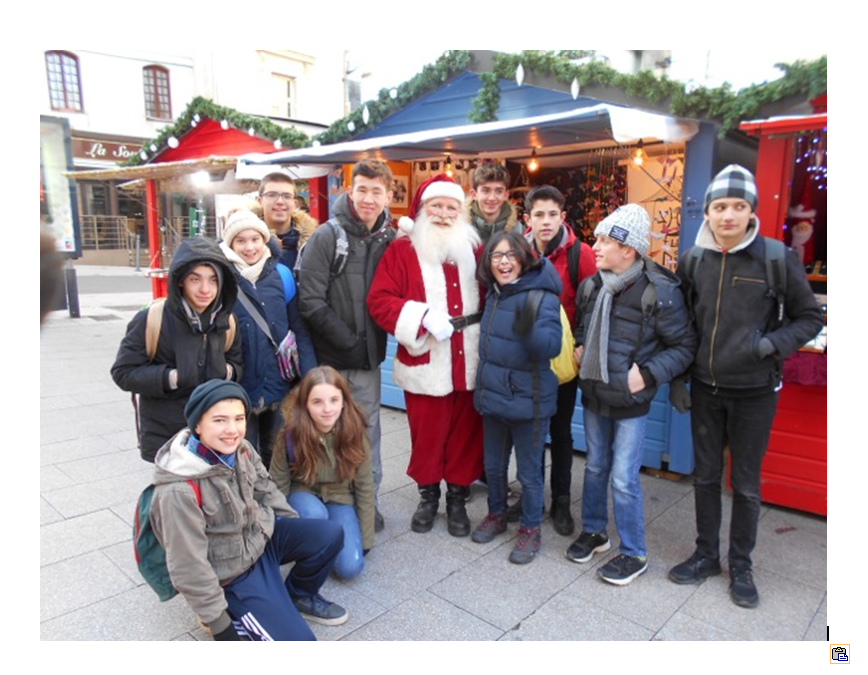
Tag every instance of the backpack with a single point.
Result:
(149, 552)
(776, 274)
(154, 321)
(573, 257)
(342, 251)
(563, 365)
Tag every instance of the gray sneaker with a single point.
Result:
(319, 610)
(588, 543)
(622, 569)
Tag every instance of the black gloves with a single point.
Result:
(679, 394)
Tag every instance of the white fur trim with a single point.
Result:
(444, 188)
(406, 224)
(407, 327)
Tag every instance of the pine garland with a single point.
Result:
(721, 104)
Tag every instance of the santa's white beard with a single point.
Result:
(438, 245)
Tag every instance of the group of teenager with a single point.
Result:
(288, 467)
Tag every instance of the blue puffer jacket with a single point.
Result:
(508, 363)
(262, 379)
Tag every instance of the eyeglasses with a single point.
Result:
(441, 209)
(497, 257)
(273, 196)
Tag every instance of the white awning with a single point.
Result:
(593, 126)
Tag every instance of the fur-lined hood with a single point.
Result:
(507, 220)
(305, 224)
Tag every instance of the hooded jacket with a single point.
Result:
(208, 547)
(507, 220)
(343, 332)
(661, 343)
(262, 380)
(734, 308)
(301, 227)
(508, 363)
(197, 350)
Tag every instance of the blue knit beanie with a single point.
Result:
(210, 393)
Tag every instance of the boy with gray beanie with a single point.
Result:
(633, 335)
(745, 331)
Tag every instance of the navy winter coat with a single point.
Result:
(661, 342)
(262, 380)
(508, 363)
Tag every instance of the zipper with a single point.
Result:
(736, 280)
(487, 335)
(716, 319)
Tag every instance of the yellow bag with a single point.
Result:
(564, 365)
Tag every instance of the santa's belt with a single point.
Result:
(459, 323)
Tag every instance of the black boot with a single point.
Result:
(423, 519)
(457, 521)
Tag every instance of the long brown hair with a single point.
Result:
(349, 430)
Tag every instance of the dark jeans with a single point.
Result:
(742, 422)
(561, 447)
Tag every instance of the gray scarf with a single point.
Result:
(595, 357)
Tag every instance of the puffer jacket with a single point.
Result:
(661, 342)
(208, 547)
(343, 333)
(262, 380)
(357, 492)
(734, 308)
(509, 364)
(198, 355)
(301, 227)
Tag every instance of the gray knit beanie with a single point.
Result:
(629, 225)
(734, 181)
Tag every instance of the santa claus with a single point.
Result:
(425, 293)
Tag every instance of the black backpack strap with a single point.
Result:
(573, 262)
(691, 261)
(776, 275)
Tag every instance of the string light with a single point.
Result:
(448, 167)
(532, 165)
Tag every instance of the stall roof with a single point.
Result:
(784, 125)
(578, 129)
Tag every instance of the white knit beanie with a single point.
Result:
(629, 225)
(241, 220)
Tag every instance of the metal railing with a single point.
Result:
(111, 233)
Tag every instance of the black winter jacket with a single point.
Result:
(662, 343)
(734, 308)
(344, 334)
(197, 355)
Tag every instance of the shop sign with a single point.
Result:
(109, 151)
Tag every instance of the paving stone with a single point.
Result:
(78, 582)
(75, 536)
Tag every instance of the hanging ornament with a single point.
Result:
(224, 125)
(251, 131)
(143, 154)
(277, 144)
(365, 115)
(351, 125)
(172, 142)
(574, 88)
(196, 118)
(315, 144)
(393, 94)
(153, 147)
(193, 123)
(519, 75)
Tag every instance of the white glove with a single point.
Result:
(437, 323)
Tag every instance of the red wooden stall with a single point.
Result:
(791, 182)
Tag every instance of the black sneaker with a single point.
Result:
(379, 523)
(562, 519)
(491, 526)
(526, 547)
(319, 610)
(622, 569)
(584, 548)
(742, 590)
(695, 569)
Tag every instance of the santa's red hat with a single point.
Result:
(440, 185)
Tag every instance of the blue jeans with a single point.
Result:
(499, 436)
(615, 450)
(351, 560)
